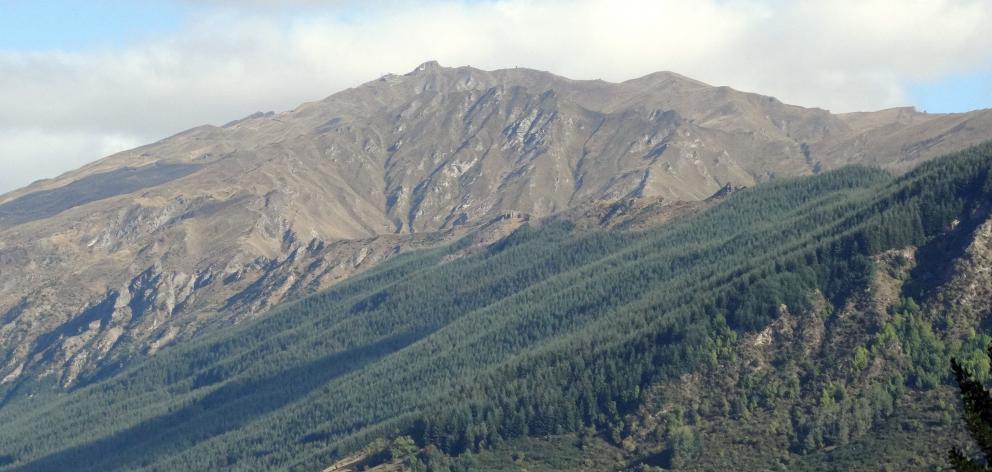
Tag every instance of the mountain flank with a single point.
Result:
(802, 324)
(158, 245)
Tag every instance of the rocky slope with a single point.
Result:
(805, 324)
(155, 245)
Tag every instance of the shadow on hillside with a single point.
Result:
(46, 203)
(935, 261)
(224, 410)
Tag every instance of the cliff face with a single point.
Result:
(155, 245)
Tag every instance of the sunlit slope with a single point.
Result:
(547, 332)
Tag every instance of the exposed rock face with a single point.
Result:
(160, 305)
(216, 224)
(968, 292)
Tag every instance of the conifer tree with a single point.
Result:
(977, 417)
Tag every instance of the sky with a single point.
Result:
(80, 80)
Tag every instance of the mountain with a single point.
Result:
(805, 323)
(158, 245)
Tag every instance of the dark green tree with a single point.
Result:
(977, 403)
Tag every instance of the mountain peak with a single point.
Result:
(427, 67)
(375, 168)
(668, 77)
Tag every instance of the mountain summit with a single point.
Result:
(158, 244)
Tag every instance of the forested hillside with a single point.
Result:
(797, 315)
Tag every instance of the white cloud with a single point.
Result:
(844, 55)
(33, 154)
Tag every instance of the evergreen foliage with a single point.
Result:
(548, 332)
(977, 416)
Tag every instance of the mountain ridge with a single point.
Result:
(214, 225)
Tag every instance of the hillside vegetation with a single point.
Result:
(554, 331)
